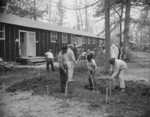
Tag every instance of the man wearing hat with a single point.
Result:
(49, 60)
(71, 61)
(118, 68)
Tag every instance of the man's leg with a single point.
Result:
(116, 82)
(90, 82)
(70, 71)
(90, 79)
(70, 74)
(62, 79)
(52, 65)
(47, 65)
(121, 79)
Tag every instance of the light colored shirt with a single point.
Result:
(114, 51)
(49, 55)
(84, 54)
(61, 58)
(70, 55)
(92, 65)
(119, 65)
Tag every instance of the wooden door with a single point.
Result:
(31, 44)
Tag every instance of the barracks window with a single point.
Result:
(53, 36)
(64, 38)
(2, 32)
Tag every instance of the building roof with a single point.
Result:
(15, 20)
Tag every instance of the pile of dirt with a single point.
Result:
(35, 84)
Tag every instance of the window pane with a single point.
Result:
(53, 38)
(64, 35)
(54, 34)
(93, 41)
(83, 40)
(89, 41)
(1, 27)
(1, 34)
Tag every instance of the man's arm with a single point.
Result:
(61, 65)
(94, 63)
(111, 69)
(72, 56)
(115, 73)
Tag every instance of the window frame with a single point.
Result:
(53, 36)
(83, 40)
(3, 32)
(100, 42)
(89, 40)
(64, 38)
(93, 41)
(73, 39)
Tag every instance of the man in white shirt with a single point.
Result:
(91, 64)
(118, 67)
(49, 60)
(70, 58)
(84, 55)
(114, 51)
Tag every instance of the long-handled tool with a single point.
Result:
(92, 80)
(108, 88)
(66, 88)
(79, 56)
(108, 81)
(67, 83)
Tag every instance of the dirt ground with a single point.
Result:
(31, 92)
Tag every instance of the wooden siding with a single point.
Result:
(2, 42)
(9, 48)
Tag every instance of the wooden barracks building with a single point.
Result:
(25, 38)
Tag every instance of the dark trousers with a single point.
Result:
(49, 61)
(92, 84)
(63, 78)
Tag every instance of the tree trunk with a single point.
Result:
(126, 30)
(120, 41)
(107, 35)
(35, 14)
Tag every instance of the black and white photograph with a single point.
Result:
(74, 58)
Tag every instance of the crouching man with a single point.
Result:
(118, 70)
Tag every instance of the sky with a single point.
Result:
(70, 20)
(70, 17)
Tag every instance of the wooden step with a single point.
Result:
(31, 60)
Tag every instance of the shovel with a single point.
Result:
(91, 77)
